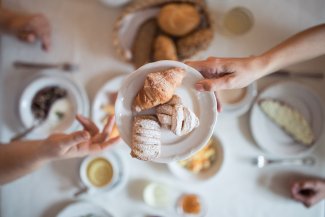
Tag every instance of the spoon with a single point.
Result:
(27, 131)
(38, 122)
(261, 161)
(81, 191)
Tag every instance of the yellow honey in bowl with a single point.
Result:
(100, 172)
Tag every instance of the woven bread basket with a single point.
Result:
(123, 36)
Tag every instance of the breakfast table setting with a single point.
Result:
(236, 162)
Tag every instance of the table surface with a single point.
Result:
(82, 33)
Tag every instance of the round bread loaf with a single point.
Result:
(178, 19)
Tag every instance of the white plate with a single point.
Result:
(82, 209)
(115, 3)
(111, 86)
(76, 95)
(269, 136)
(202, 104)
(187, 175)
(119, 177)
(240, 108)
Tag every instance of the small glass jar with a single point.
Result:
(157, 195)
(191, 205)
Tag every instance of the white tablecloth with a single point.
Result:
(82, 33)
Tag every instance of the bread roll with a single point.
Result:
(164, 48)
(196, 41)
(176, 117)
(145, 138)
(178, 19)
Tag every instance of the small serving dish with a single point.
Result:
(203, 165)
(53, 100)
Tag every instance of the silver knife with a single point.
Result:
(285, 73)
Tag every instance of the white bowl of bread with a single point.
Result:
(153, 30)
(161, 116)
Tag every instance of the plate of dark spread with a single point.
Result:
(52, 102)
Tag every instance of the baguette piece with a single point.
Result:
(158, 88)
(143, 42)
(288, 119)
(146, 135)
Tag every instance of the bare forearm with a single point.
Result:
(300, 47)
(18, 159)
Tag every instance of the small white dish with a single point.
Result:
(203, 104)
(102, 98)
(77, 98)
(115, 3)
(185, 174)
(84, 209)
(241, 107)
(118, 177)
(273, 139)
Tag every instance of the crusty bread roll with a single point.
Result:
(176, 117)
(289, 119)
(178, 19)
(158, 88)
(164, 48)
(194, 42)
(145, 138)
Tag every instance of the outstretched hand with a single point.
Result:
(81, 143)
(227, 73)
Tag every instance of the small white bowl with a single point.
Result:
(185, 174)
(76, 96)
(241, 107)
(113, 158)
(115, 3)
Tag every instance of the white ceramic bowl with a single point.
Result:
(115, 3)
(117, 165)
(185, 174)
(241, 107)
(76, 96)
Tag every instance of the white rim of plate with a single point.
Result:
(80, 205)
(78, 90)
(97, 100)
(271, 151)
(163, 65)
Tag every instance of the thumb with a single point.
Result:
(74, 139)
(212, 84)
